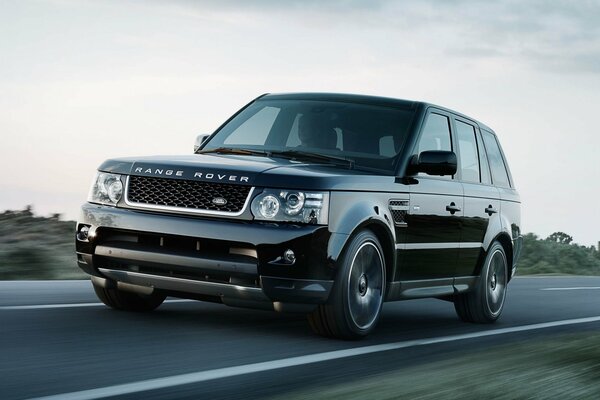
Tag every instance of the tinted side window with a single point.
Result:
(436, 134)
(499, 174)
(467, 146)
(483, 163)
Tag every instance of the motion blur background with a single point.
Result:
(82, 81)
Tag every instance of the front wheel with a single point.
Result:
(485, 303)
(355, 303)
(128, 301)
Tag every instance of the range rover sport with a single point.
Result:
(325, 204)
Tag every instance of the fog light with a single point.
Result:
(289, 256)
(83, 233)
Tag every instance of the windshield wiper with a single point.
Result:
(298, 155)
(233, 150)
(315, 157)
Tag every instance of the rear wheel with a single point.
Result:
(485, 303)
(128, 301)
(355, 303)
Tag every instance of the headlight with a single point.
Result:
(291, 205)
(106, 189)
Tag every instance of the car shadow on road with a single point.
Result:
(400, 321)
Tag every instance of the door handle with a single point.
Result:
(452, 208)
(490, 210)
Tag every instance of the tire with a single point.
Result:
(128, 301)
(485, 303)
(354, 305)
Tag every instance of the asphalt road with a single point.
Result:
(56, 339)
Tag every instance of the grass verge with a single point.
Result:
(563, 367)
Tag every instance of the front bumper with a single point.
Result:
(235, 262)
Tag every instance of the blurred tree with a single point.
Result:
(33, 247)
(557, 254)
(28, 210)
(560, 237)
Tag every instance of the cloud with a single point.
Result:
(558, 36)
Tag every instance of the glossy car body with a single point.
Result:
(435, 231)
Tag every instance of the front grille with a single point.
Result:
(185, 195)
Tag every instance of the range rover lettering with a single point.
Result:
(323, 204)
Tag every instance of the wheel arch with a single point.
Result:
(387, 242)
(385, 238)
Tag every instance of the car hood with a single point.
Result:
(249, 170)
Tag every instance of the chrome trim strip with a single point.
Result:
(186, 285)
(182, 210)
(243, 252)
(448, 245)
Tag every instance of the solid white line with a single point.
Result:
(71, 305)
(573, 288)
(203, 376)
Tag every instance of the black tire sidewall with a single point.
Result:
(482, 295)
(342, 288)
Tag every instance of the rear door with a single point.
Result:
(481, 199)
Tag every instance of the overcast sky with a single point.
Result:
(84, 81)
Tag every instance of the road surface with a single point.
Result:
(57, 340)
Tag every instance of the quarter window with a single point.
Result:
(467, 146)
(483, 162)
(499, 174)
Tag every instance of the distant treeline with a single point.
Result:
(34, 247)
(557, 254)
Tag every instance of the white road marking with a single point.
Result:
(573, 288)
(203, 376)
(72, 305)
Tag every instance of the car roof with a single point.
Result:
(359, 98)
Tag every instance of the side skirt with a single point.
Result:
(404, 290)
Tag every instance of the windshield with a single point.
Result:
(366, 135)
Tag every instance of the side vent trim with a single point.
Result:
(399, 209)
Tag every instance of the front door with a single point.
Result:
(432, 230)
(433, 223)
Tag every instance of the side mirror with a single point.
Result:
(200, 139)
(434, 162)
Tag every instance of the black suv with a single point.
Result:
(327, 204)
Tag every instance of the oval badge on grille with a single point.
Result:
(219, 201)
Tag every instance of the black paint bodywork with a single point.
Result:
(423, 254)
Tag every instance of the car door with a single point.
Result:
(481, 199)
(432, 233)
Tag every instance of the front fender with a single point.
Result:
(350, 212)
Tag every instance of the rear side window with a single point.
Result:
(467, 146)
(499, 174)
